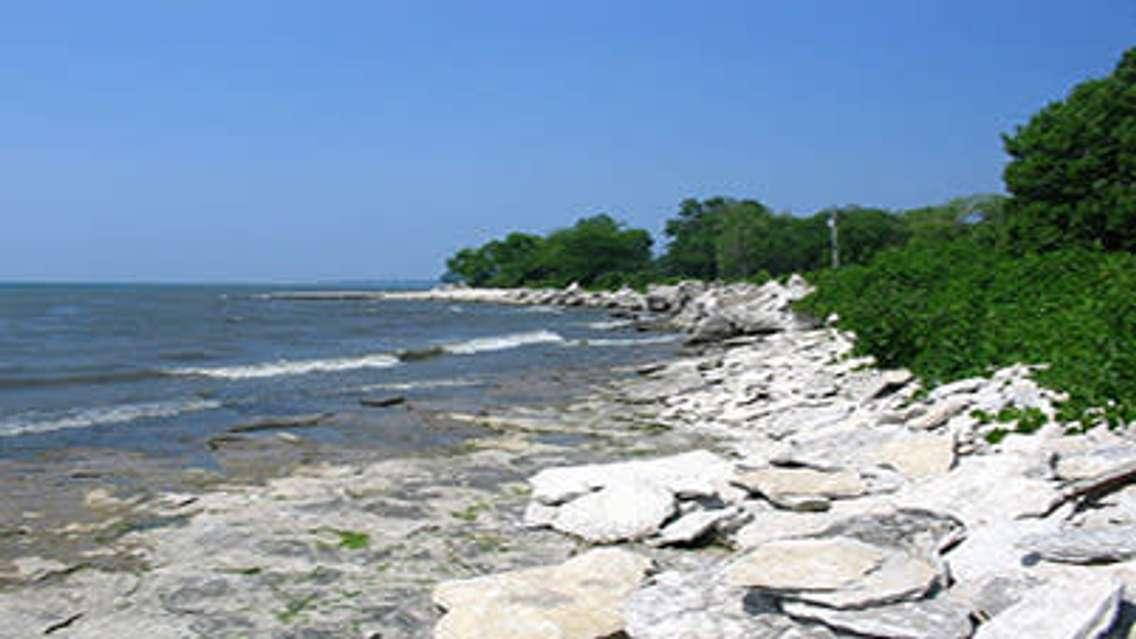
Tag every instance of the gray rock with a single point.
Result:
(907, 543)
(941, 412)
(900, 577)
(920, 455)
(697, 473)
(885, 383)
(701, 604)
(694, 525)
(804, 565)
(619, 512)
(776, 482)
(280, 421)
(966, 386)
(918, 531)
(1081, 546)
(929, 619)
(1089, 464)
(711, 329)
(1114, 478)
(382, 402)
(1084, 609)
(578, 599)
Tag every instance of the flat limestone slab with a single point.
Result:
(619, 512)
(1059, 610)
(900, 577)
(1080, 546)
(578, 599)
(690, 474)
(806, 565)
(801, 482)
(930, 619)
(920, 455)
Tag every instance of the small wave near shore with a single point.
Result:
(42, 422)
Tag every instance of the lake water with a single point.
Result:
(159, 369)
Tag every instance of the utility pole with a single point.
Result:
(833, 241)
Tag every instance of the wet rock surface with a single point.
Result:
(769, 484)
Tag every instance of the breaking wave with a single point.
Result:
(288, 367)
(42, 422)
(629, 341)
(503, 342)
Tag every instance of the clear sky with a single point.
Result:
(275, 141)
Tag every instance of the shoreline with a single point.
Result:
(782, 442)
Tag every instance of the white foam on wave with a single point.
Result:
(421, 385)
(42, 422)
(628, 341)
(287, 367)
(609, 325)
(503, 342)
(555, 310)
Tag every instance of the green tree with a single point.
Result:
(693, 237)
(1073, 168)
(595, 246)
(516, 259)
(471, 266)
(978, 216)
(863, 232)
(796, 244)
(742, 245)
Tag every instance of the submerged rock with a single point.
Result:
(382, 402)
(280, 421)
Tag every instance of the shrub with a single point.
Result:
(957, 309)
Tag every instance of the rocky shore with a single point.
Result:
(768, 484)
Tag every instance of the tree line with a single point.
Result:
(718, 238)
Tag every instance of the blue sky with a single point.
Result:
(285, 141)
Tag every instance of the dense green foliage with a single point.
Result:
(955, 309)
(727, 239)
(1073, 173)
(714, 239)
(596, 250)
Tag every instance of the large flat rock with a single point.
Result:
(806, 565)
(919, 456)
(900, 577)
(697, 473)
(700, 604)
(1084, 546)
(776, 483)
(578, 599)
(930, 619)
(1059, 610)
(619, 512)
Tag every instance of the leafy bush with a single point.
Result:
(1073, 168)
(957, 309)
